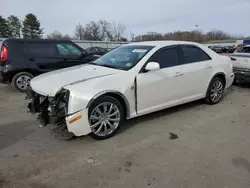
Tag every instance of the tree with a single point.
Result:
(118, 31)
(149, 37)
(132, 36)
(57, 35)
(217, 35)
(4, 28)
(14, 26)
(31, 27)
(79, 32)
(97, 30)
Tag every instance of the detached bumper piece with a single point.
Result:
(50, 110)
(242, 75)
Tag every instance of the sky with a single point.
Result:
(139, 16)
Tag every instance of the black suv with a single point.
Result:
(21, 60)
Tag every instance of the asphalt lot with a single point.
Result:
(212, 149)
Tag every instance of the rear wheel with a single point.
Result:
(21, 80)
(215, 91)
(105, 117)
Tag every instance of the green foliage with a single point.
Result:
(14, 26)
(4, 28)
(31, 27)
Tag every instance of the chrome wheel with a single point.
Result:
(104, 119)
(216, 91)
(22, 82)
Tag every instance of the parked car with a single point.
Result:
(21, 59)
(228, 49)
(241, 65)
(217, 49)
(96, 50)
(130, 81)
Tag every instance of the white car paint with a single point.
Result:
(173, 85)
(242, 60)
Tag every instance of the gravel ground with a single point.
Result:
(211, 149)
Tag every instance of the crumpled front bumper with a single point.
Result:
(242, 75)
(38, 104)
(49, 113)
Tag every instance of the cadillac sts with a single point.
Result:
(130, 81)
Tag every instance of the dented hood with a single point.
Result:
(49, 83)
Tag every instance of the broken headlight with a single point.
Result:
(61, 103)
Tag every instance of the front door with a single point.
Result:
(163, 87)
(69, 55)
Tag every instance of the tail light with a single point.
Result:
(4, 54)
(233, 59)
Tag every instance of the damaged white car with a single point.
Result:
(129, 81)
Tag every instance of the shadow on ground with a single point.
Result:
(133, 122)
(242, 162)
(13, 132)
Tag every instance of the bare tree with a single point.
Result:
(117, 31)
(150, 36)
(217, 35)
(79, 32)
(196, 36)
(97, 30)
(132, 36)
(57, 35)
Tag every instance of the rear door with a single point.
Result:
(41, 57)
(69, 54)
(197, 68)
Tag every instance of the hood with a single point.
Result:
(49, 83)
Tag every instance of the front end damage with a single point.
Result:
(51, 110)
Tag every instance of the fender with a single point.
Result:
(218, 73)
(111, 91)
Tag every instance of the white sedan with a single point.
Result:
(129, 81)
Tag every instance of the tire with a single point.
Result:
(20, 81)
(214, 95)
(98, 119)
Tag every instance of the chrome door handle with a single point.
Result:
(178, 74)
(208, 67)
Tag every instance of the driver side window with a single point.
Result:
(166, 57)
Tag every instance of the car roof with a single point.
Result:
(162, 43)
(38, 40)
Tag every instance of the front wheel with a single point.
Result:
(215, 91)
(105, 117)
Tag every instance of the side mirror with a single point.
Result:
(152, 66)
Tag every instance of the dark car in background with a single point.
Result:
(217, 49)
(96, 50)
(21, 59)
(229, 49)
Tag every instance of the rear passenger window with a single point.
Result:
(41, 49)
(166, 58)
(67, 49)
(192, 54)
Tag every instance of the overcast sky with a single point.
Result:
(139, 16)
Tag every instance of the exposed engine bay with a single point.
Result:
(51, 110)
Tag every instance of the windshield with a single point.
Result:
(124, 57)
